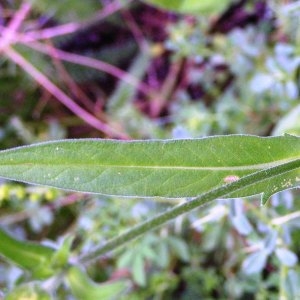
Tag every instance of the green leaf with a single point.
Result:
(124, 93)
(126, 258)
(179, 247)
(138, 270)
(165, 168)
(68, 9)
(61, 256)
(83, 287)
(192, 6)
(28, 255)
(163, 256)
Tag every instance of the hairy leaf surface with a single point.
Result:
(165, 168)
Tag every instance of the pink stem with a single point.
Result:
(8, 33)
(60, 95)
(110, 9)
(92, 63)
(49, 32)
(55, 31)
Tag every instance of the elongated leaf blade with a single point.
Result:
(192, 6)
(165, 168)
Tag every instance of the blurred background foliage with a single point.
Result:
(165, 70)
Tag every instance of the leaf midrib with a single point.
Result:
(260, 166)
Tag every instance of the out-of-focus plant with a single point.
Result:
(229, 69)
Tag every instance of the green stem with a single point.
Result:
(164, 217)
(282, 280)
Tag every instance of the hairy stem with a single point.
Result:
(164, 217)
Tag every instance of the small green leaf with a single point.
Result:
(163, 256)
(28, 255)
(138, 270)
(192, 6)
(124, 92)
(126, 258)
(179, 247)
(68, 9)
(61, 256)
(165, 168)
(147, 252)
(83, 287)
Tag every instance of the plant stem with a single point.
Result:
(282, 282)
(48, 85)
(92, 63)
(164, 217)
(7, 34)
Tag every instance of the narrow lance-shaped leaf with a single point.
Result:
(165, 168)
